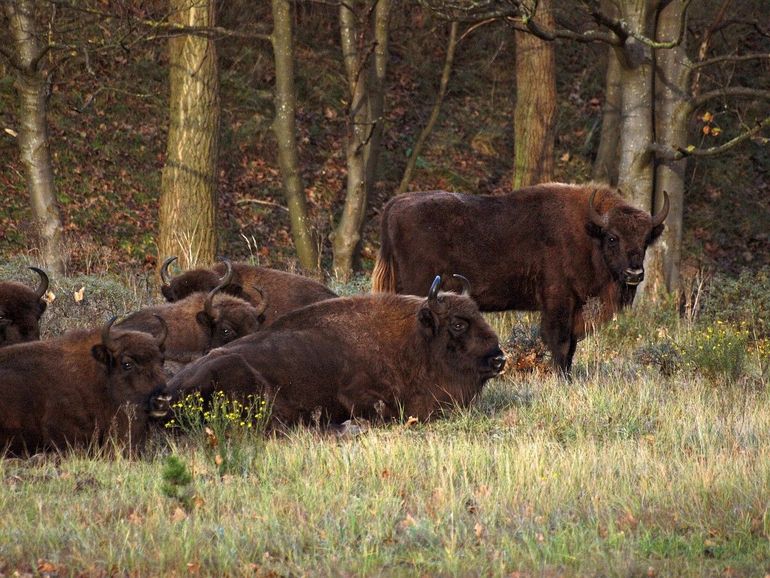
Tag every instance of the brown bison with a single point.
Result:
(82, 387)
(285, 291)
(370, 356)
(199, 322)
(21, 309)
(548, 248)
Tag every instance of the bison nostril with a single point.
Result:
(634, 276)
(497, 363)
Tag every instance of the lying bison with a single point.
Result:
(199, 322)
(371, 356)
(548, 248)
(21, 309)
(82, 387)
(285, 291)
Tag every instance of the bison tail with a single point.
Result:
(384, 274)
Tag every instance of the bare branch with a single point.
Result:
(739, 91)
(730, 58)
(667, 152)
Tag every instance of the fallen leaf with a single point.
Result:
(178, 515)
(479, 530)
(79, 294)
(411, 421)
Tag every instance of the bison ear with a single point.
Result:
(102, 354)
(655, 233)
(205, 320)
(594, 230)
(428, 320)
(168, 293)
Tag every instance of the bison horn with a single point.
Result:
(107, 340)
(164, 330)
(661, 215)
(593, 214)
(434, 287)
(465, 282)
(262, 301)
(223, 282)
(164, 276)
(42, 287)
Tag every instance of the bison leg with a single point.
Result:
(556, 328)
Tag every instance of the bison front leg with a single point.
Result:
(556, 328)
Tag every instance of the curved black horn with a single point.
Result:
(223, 282)
(262, 301)
(164, 276)
(661, 215)
(164, 330)
(42, 287)
(465, 282)
(593, 214)
(107, 340)
(434, 287)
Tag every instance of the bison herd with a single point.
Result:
(415, 346)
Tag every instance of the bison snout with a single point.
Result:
(633, 276)
(160, 405)
(495, 361)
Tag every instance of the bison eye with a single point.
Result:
(612, 239)
(459, 326)
(127, 365)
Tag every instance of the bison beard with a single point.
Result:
(370, 356)
(548, 248)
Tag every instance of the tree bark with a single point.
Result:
(605, 169)
(672, 113)
(284, 126)
(636, 164)
(188, 184)
(377, 72)
(31, 83)
(355, 53)
(534, 117)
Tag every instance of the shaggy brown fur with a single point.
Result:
(21, 309)
(536, 249)
(371, 356)
(79, 388)
(283, 291)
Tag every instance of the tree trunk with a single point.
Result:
(284, 126)
(672, 113)
(605, 169)
(636, 166)
(188, 184)
(346, 236)
(376, 104)
(31, 80)
(534, 117)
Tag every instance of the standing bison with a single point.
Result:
(21, 309)
(371, 356)
(81, 388)
(548, 248)
(284, 291)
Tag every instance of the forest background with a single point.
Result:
(233, 178)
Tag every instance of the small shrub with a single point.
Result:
(223, 424)
(718, 351)
(663, 355)
(742, 300)
(525, 350)
(177, 481)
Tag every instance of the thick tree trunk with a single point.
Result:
(605, 169)
(672, 113)
(534, 117)
(636, 165)
(31, 79)
(347, 235)
(284, 126)
(188, 185)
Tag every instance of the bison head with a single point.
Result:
(625, 233)
(226, 318)
(457, 332)
(134, 365)
(181, 286)
(21, 309)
